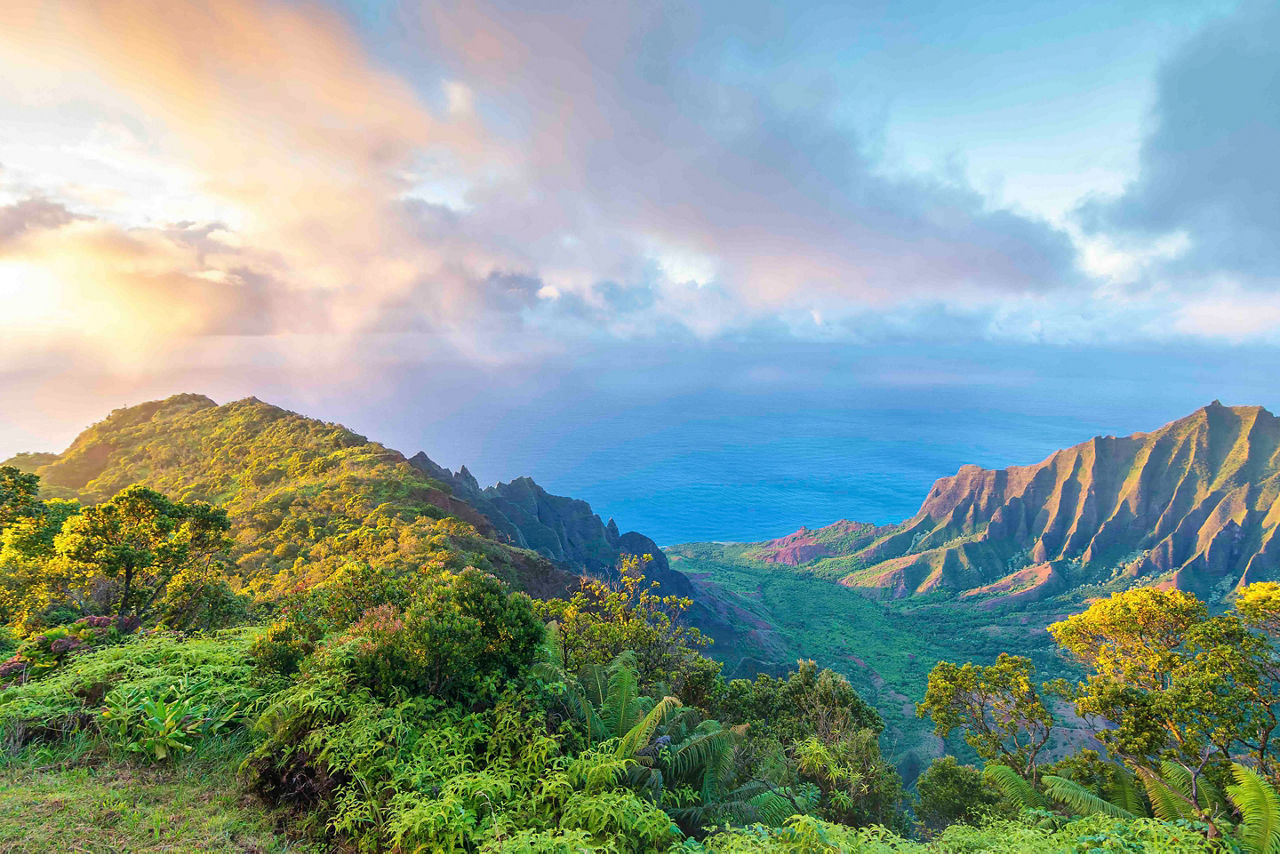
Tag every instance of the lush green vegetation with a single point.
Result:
(886, 649)
(383, 681)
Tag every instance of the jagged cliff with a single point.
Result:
(1193, 504)
(562, 529)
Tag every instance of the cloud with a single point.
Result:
(291, 131)
(640, 138)
(1208, 175)
(541, 176)
(28, 214)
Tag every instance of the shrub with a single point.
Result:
(212, 672)
(309, 614)
(950, 792)
(461, 640)
(199, 600)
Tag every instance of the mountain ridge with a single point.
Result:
(177, 445)
(304, 496)
(562, 529)
(1193, 504)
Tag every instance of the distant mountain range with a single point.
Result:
(1193, 504)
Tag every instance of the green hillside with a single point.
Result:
(886, 648)
(303, 496)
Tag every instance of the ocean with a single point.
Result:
(686, 450)
(750, 477)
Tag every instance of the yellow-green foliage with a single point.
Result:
(806, 835)
(215, 673)
(303, 496)
(602, 620)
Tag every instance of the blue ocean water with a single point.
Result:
(735, 445)
(748, 477)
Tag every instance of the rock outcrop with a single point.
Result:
(563, 529)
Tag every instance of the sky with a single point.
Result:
(527, 236)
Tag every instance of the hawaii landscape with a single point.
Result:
(549, 428)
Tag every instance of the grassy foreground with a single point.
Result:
(72, 798)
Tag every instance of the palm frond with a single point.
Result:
(1259, 808)
(1079, 799)
(1013, 786)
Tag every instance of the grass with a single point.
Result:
(73, 798)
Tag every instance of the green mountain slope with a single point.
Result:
(303, 495)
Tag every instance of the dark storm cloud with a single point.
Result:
(1209, 164)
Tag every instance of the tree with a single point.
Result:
(19, 495)
(950, 792)
(1173, 691)
(139, 540)
(1135, 637)
(601, 620)
(805, 703)
(31, 577)
(1258, 609)
(999, 707)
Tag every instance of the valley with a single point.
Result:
(332, 536)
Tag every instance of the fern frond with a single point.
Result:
(621, 703)
(642, 733)
(772, 809)
(1211, 798)
(1013, 786)
(1122, 790)
(1259, 808)
(552, 650)
(1079, 799)
(1166, 802)
(718, 767)
(595, 682)
(1208, 798)
(1177, 777)
(700, 751)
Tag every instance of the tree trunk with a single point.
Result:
(124, 597)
